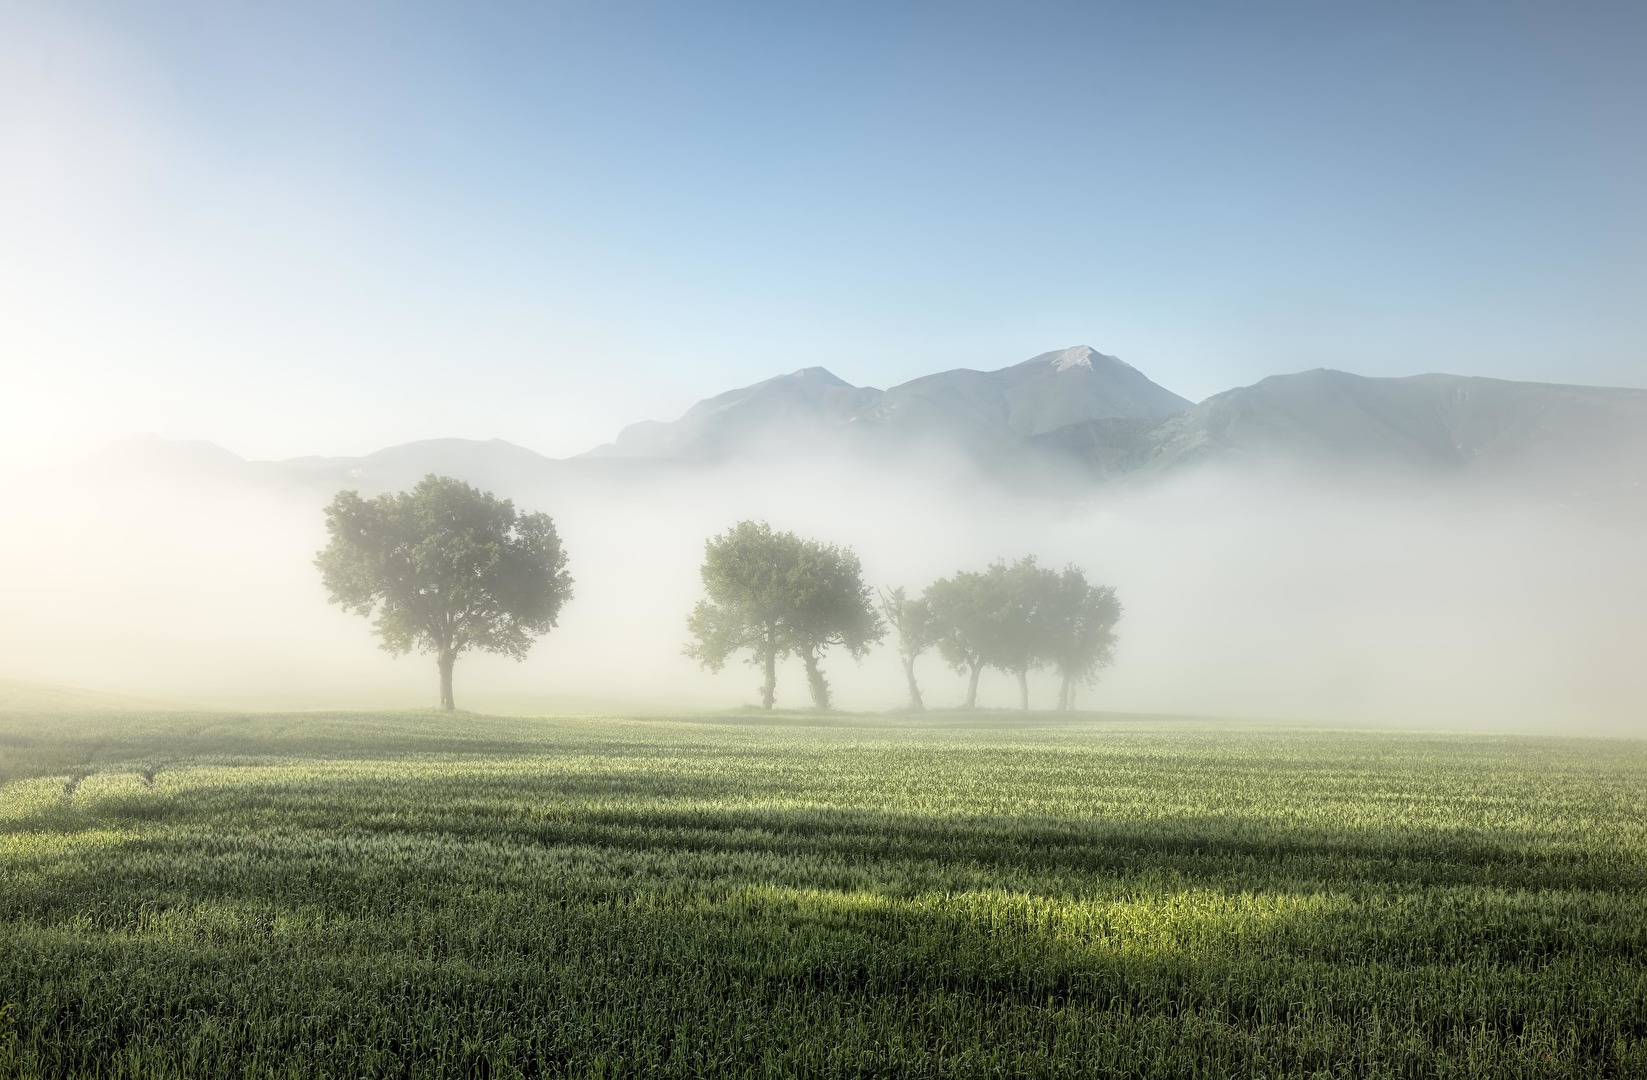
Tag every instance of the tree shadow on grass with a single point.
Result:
(661, 816)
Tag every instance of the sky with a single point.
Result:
(321, 228)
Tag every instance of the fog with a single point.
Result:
(1246, 595)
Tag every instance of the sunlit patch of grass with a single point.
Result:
(27, 799)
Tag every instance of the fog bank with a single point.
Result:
(1245, 596)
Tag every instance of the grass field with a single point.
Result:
(419, 895)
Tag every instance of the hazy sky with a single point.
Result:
(324, 228)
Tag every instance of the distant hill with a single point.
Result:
(151, 454)
(489, 463)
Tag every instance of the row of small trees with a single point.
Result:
(445, 568)
(1015, 618)
(775, 595)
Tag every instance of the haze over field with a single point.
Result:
(1355, 580)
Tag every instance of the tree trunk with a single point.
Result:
(1023, 689)
(972, 686)
(446, 659)
(1066, 693)
(915, 702)
(815, 680)
(769, 688)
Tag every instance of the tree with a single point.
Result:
(912, 618)
(1079, 639)
(746, 573)
(963, 609)
(1018, 629)
(445, 568)
(777, 595)
(999, 618)
(832, 608)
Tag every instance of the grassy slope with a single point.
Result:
(363, 894)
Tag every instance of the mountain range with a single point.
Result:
(1075, 415)
(1103, 420)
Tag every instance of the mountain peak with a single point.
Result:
(819, 374)
(1078, 356)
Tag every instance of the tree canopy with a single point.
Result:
(776, 595)
(445, 568)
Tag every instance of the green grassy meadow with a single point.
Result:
(413, 895)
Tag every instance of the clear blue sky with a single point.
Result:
(326, 227)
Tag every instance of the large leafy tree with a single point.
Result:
(911, 617)
(774, 595)
(445, 568)
(746, 574)
(1078, 638)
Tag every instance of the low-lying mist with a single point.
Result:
(1245, 595)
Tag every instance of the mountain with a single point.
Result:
(983, 411)
(1430, 423)
(1042, 394)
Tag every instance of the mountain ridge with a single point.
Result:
(1045, 392)
(1429, 421)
